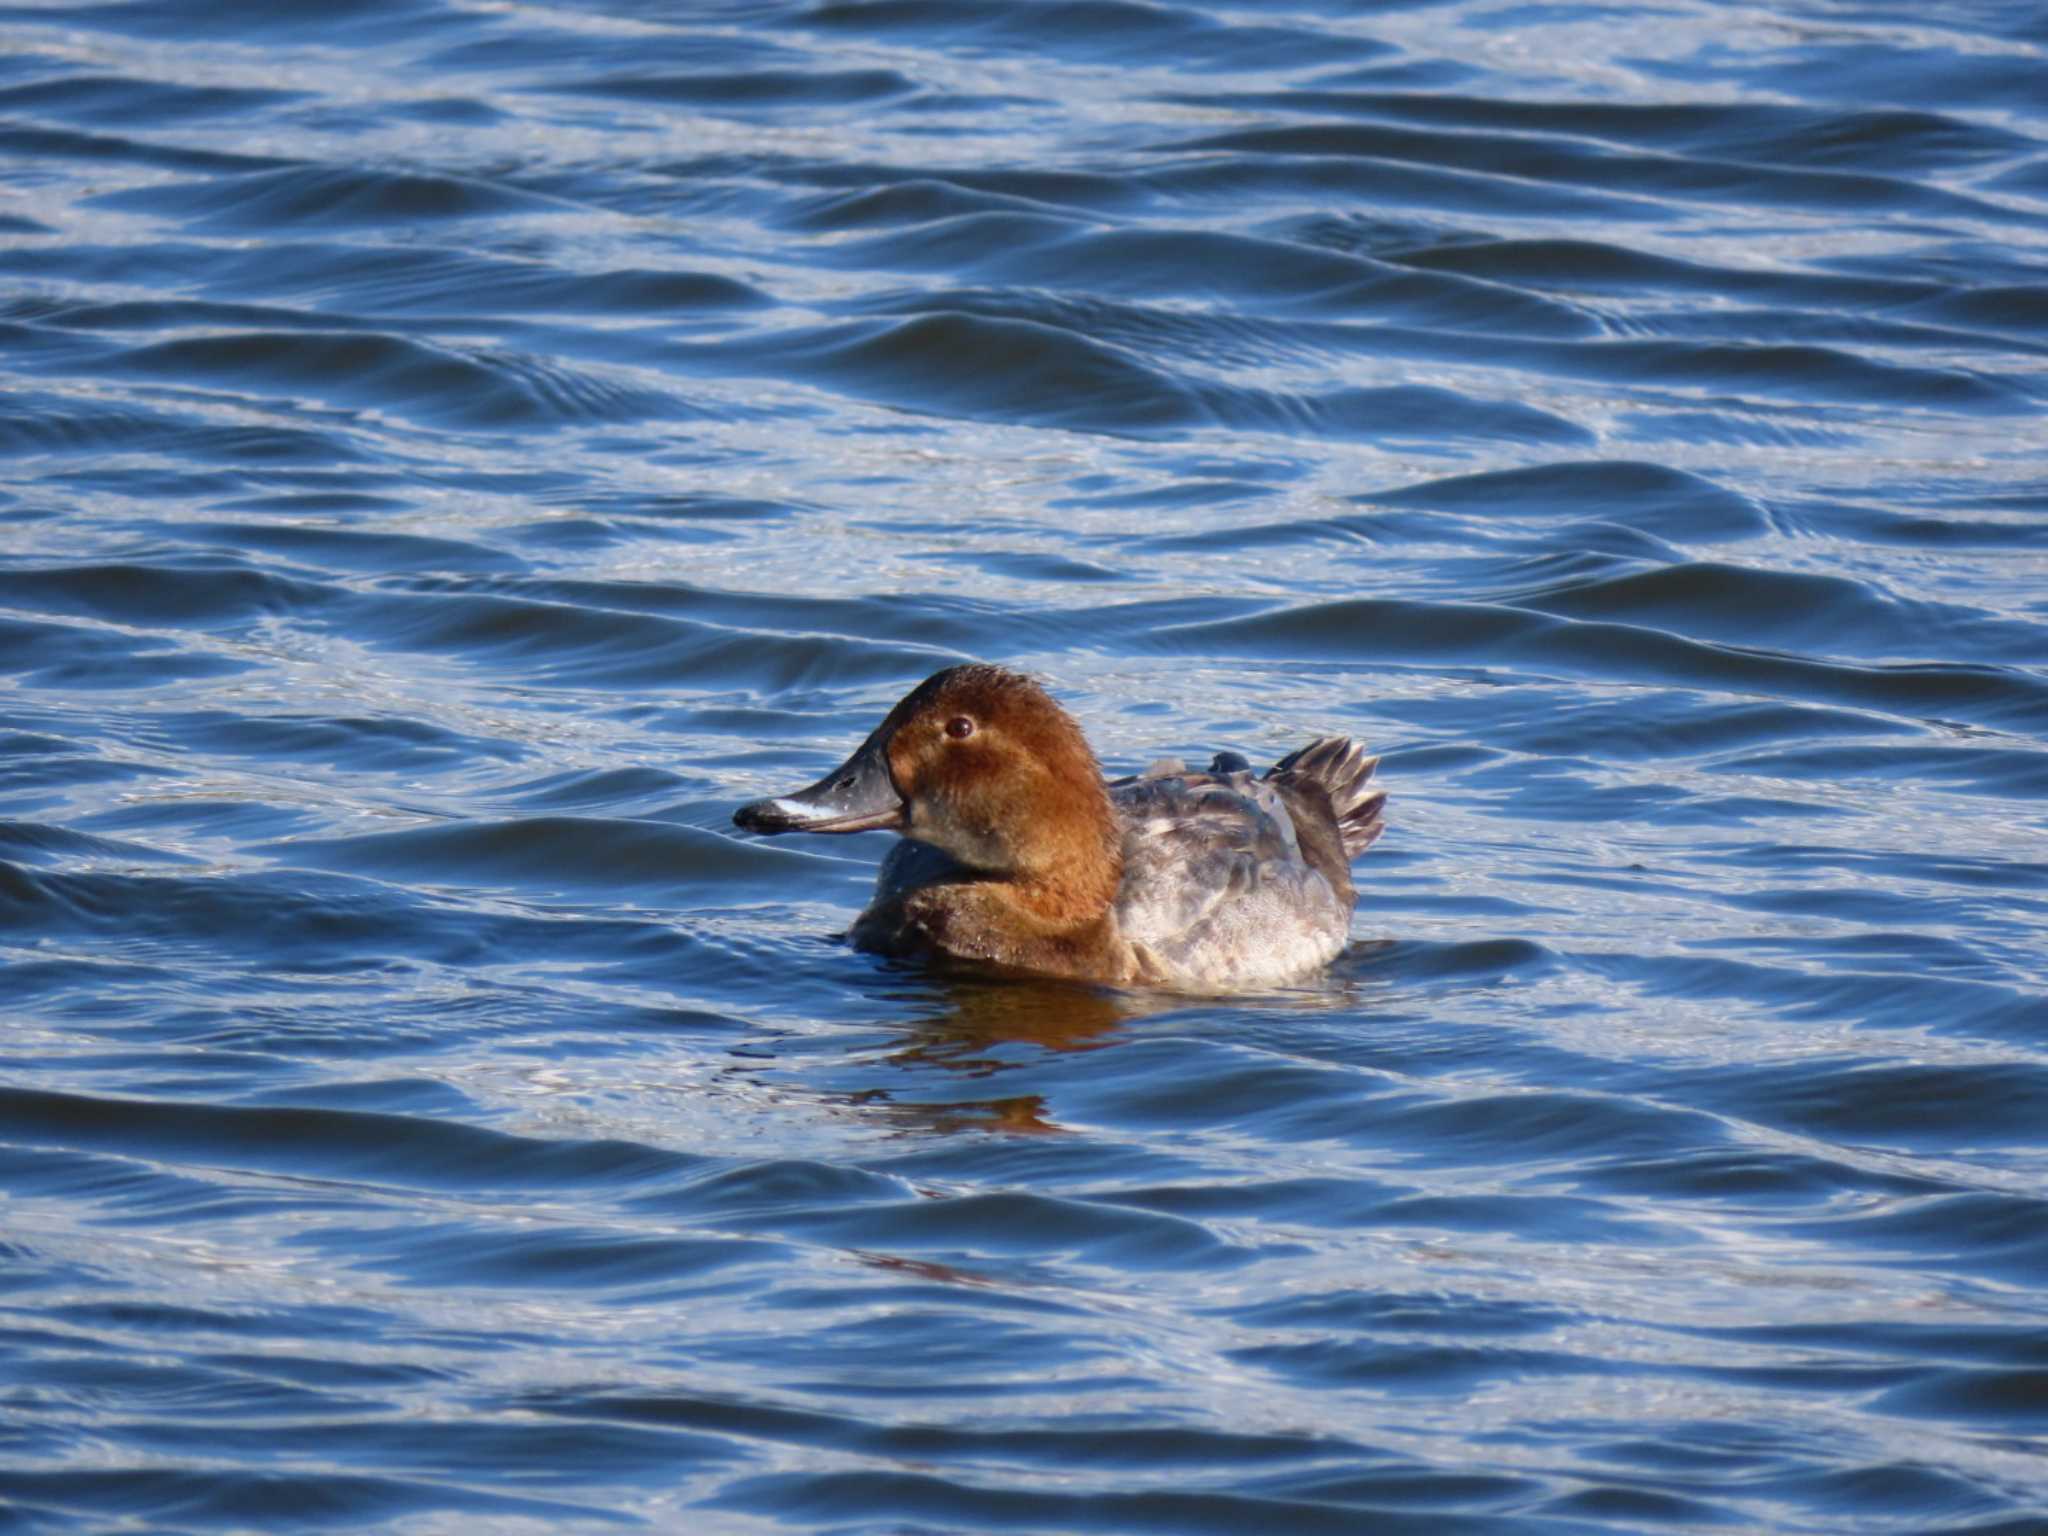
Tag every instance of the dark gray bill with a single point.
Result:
(857, 796)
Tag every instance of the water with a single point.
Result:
(456, 453)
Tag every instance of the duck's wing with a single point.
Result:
(1215, 884)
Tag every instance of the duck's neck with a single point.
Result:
(1054, 918)
(1077, 863)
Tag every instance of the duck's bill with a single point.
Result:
(857, 796)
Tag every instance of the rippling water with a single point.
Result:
(455, 453)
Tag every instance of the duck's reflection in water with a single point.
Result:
(981, 1027)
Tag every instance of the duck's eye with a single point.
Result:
(959, 727)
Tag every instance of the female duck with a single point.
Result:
(1019, 855)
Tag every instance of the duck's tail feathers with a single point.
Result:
(1341, 769)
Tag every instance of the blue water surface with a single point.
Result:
(455, 453)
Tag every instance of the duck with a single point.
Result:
(1018, 855)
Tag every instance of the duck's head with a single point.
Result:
(977, 761)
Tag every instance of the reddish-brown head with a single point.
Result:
(979, 762)
(999, 776)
